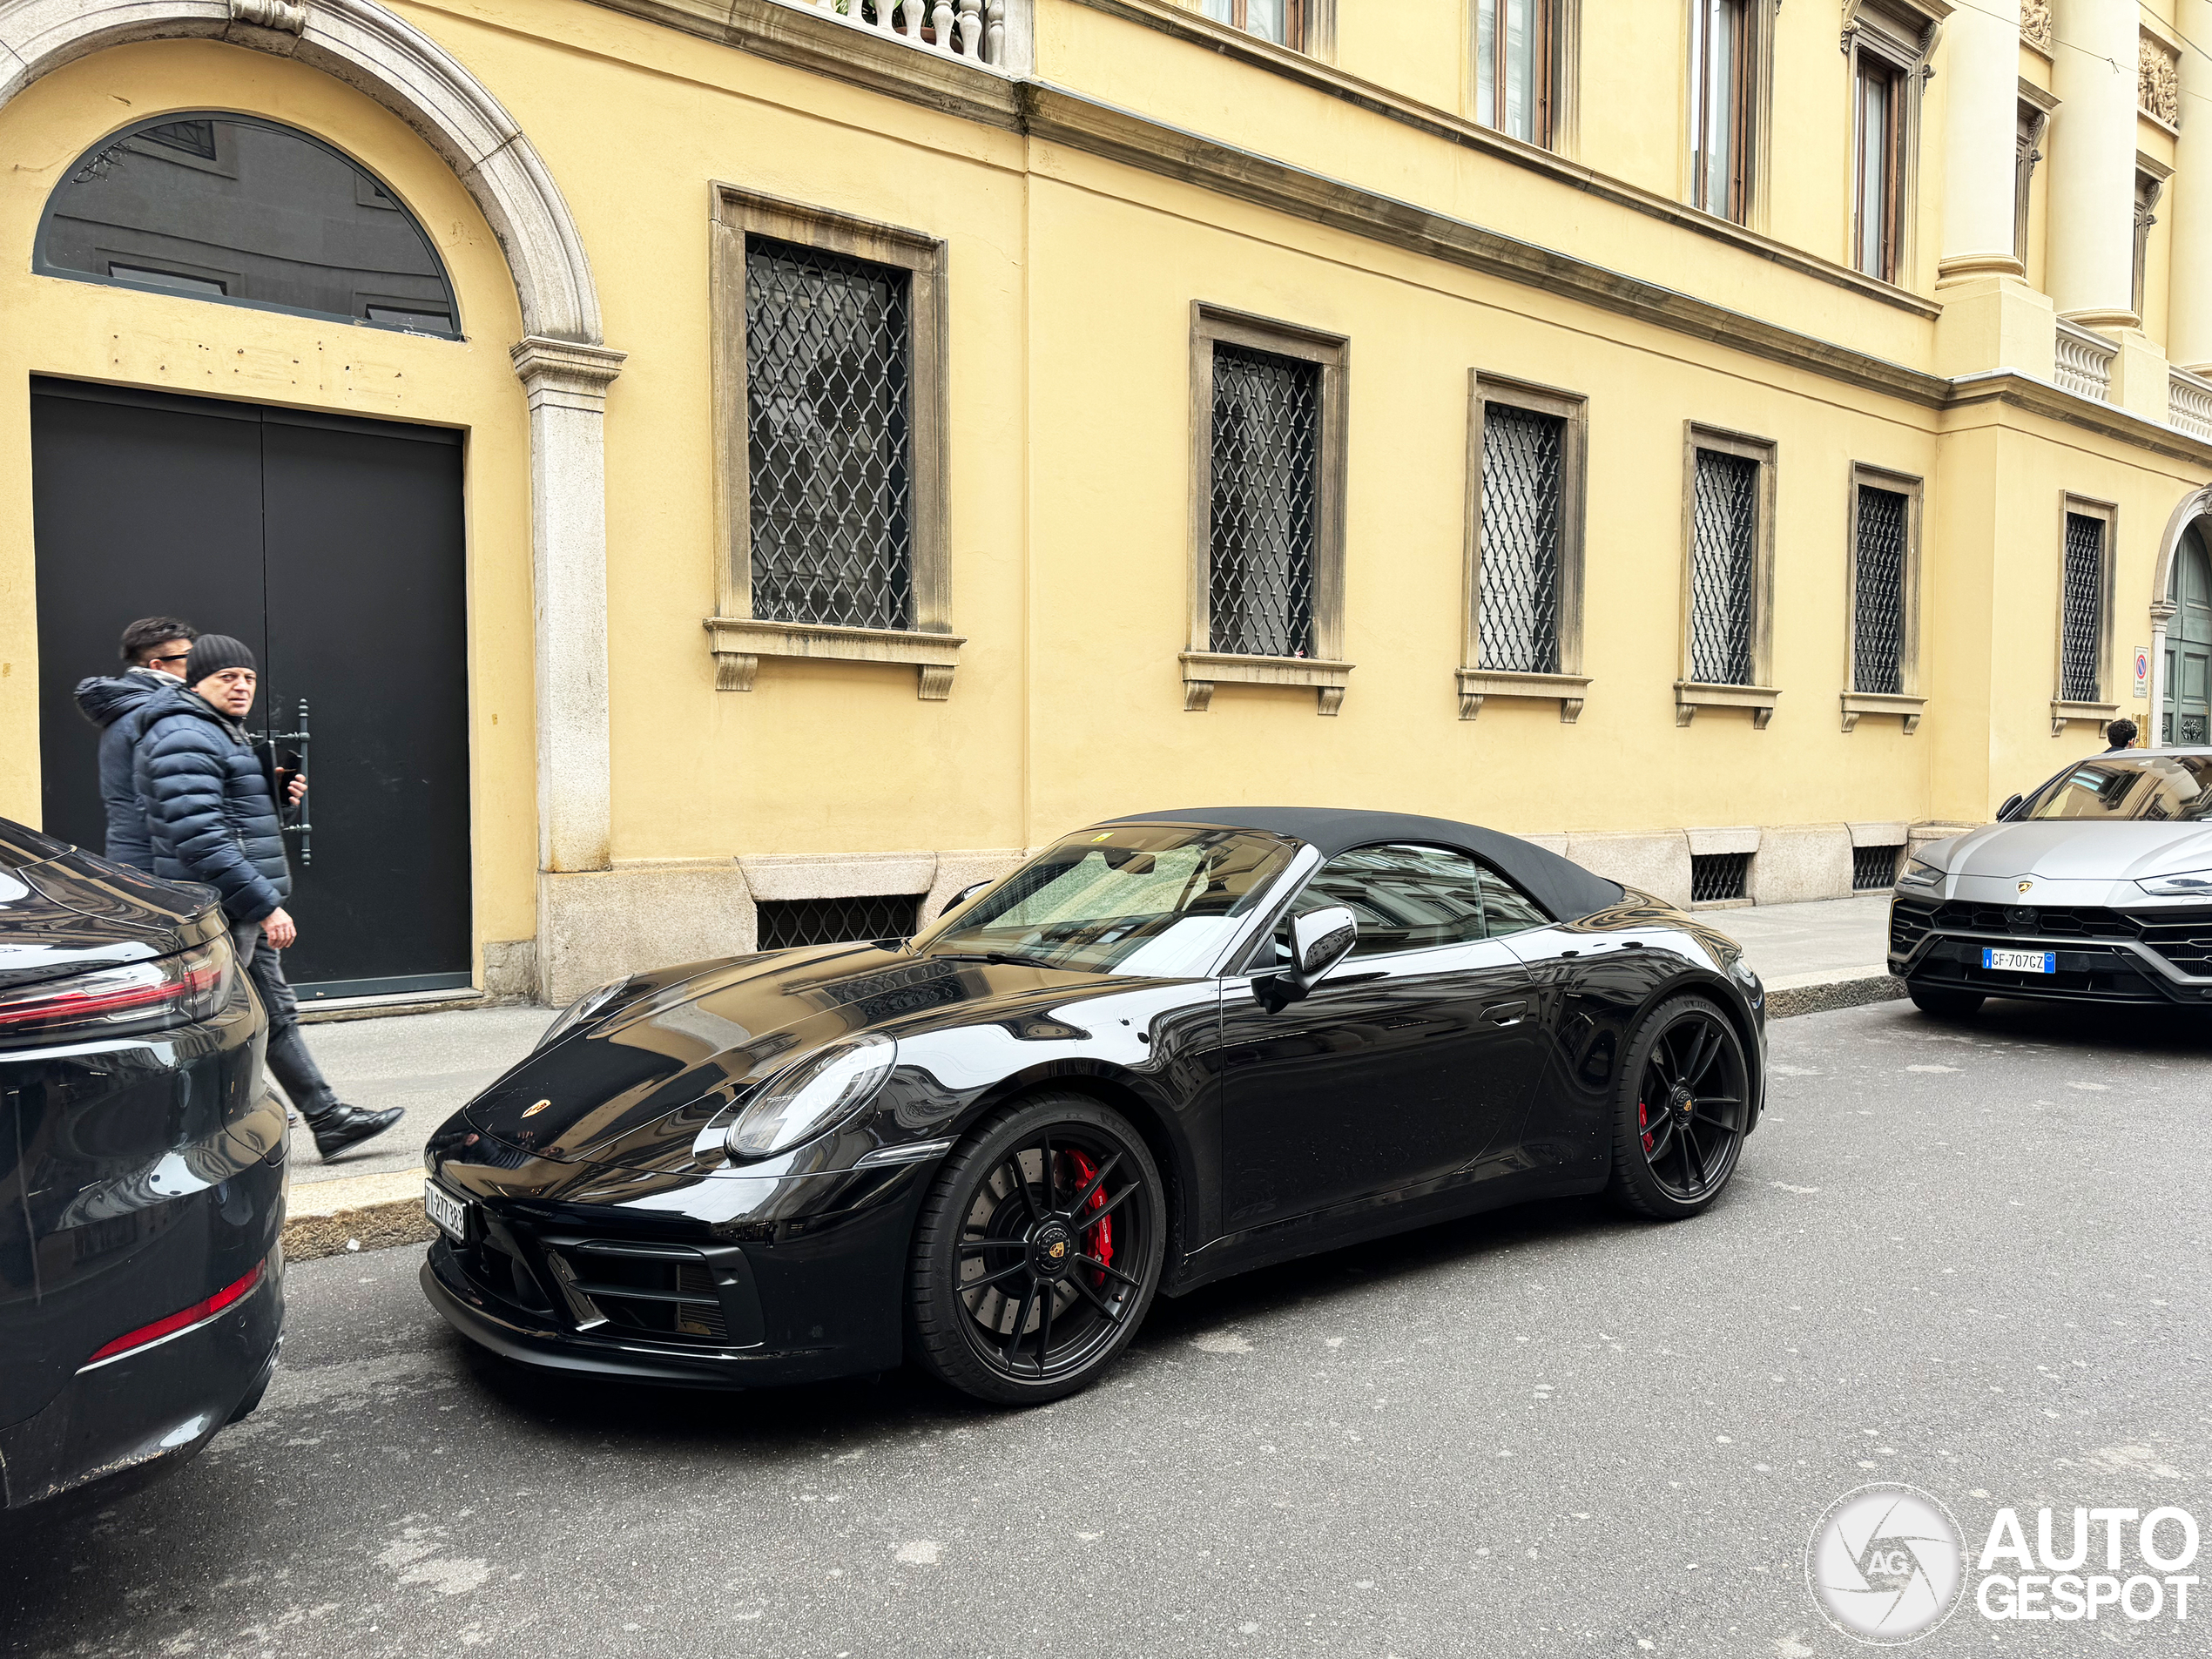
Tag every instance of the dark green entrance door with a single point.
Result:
(2188, 646)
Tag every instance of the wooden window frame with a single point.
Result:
(1558, 55)
(1203, 667)
(737, 638)
(1309, 26)
(1749, 146)
(1895, 38)
(2151, 175)
(2032, 125)
(1909, 703)
(1569, 685)
(2105, 707)
(1760, 696)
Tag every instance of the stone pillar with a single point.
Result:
(567, 384)
(2092, 164)
(1992, 319)
(2189, 202)
(1981, 51)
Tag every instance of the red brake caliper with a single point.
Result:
(1101, 1232)
(1643, 1122)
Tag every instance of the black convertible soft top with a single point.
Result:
(1565, 890)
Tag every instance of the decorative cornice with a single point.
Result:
(565, 371)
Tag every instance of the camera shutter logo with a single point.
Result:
(1886, 1564)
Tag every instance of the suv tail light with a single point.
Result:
(168, 990)
(175, 1325)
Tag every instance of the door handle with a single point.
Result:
(1506, 1013)
(304, 829)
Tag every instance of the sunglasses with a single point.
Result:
(174, 657)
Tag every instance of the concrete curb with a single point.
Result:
(1809, 993)
(356, 1212)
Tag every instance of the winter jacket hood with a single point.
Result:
(115, 702)
(209, 798)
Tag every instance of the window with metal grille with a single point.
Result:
(785, 924)
(1873, 868)
(1724, 527)
(829, 436)
(2081, 619)
(1518, 617)
(1878, 591)
(1267, 462)
(1715, 876)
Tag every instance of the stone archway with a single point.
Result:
(2198, 504)
(565, 365)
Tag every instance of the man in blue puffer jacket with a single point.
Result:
(155, 648)
(212, 816)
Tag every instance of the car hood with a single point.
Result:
(634, 1088)
(2064, 850)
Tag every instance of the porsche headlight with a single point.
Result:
(1919, 874)
(580, 1011)
(823, 1090)
(2196, 884)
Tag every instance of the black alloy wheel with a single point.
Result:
(1949, 1005)
(1038, 1251)
(1685, 1103)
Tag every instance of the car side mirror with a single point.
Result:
(962, 897)
(2005, 810)
(1319, 940)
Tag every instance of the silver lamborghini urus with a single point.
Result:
(2094, 886)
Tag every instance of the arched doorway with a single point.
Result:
(2187, 717)
(331, 545)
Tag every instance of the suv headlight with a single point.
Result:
(1919, 874)
(579, 1012)
(2196, 884)
(827, 1087)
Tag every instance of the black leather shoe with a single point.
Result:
(344, 1126)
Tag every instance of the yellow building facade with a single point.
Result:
(1856, 343)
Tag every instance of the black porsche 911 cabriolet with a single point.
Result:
(1168, 1048)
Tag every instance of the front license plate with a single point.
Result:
(450, 1213)
(2020, 961)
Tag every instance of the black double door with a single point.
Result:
(333, 547)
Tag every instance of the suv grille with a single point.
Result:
(2182, 937)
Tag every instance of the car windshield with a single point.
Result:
(1161, 899)
(2151, 788)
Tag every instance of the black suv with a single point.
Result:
(142, 1176)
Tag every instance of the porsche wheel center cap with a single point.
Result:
(1052, 1250)
(1679, 1103)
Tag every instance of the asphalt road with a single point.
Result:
(1968, 1257)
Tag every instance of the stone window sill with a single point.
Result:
(1475, 683)
(2062, 711)
(1692, 694)
(1203, 670)
(739, 644)
(1860, 702)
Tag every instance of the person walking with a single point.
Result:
(209, 798)
(2121, 734)
(154, 650)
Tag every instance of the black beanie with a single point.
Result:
(213, 653)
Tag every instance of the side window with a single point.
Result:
(1505, 908)
(1405, 897)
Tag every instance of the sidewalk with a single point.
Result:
(1812, 956)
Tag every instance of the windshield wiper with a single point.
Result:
(997, 957)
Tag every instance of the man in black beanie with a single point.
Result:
(212, 816)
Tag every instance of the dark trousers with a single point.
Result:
(288, 1057)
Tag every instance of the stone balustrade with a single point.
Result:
(974, 30)
(2188, 404)
(2084, 362)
